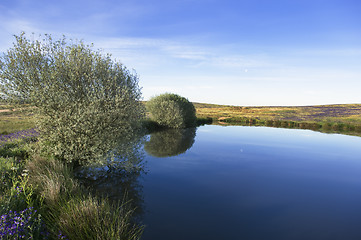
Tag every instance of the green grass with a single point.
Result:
(17, 199)
(70, 209)
(14, 121)
(63, 205)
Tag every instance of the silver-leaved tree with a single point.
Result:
(86, 101)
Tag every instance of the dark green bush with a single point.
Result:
(203, 121)
(172, 111)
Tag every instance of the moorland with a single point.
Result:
(345, 118)
(341, 117)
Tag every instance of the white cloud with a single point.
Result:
(183, 51)
(10, 27)
(344, 52)
(149, 54)
(240, 61)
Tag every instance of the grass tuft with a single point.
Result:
(71, 210)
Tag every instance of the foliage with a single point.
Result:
(19, 219)
(26, 224)
(172, 111)
(84, 99)
(151, 126)
(204, 121)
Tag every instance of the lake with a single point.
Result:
(250, 183)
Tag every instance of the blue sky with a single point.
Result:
(235, 52)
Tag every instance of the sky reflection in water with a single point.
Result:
(255, 183)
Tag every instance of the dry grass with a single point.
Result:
(12, 120)
(346, 113)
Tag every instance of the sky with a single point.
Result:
(233, 52)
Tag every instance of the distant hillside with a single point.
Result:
(342, 113)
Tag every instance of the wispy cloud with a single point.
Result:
(342, 52)
(10, 27)
(183, 51)
(200, 57)
(151, 51)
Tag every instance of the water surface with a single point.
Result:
(251, 183)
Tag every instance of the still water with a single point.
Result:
(251, 183)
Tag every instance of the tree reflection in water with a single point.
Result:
(170, 142)
(117, 177)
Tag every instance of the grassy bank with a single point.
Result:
(345, 118)
(14, 120)
(41, 199)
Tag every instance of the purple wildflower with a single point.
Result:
(22, 225)
(24, 134)
(61, 236)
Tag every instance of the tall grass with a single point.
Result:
(19, 218)
(41, 199)
(70, 209)
(87, 217)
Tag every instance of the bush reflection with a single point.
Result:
(170, 142)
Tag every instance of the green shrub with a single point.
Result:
(172, 111)
(85, 100)
(358, 128)
(13, 149)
